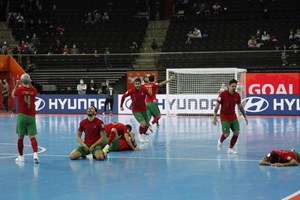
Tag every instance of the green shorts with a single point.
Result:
(115, 145)
(230, 125)
(298, 155)
(98, 147)
(26, 125)
(152, 109)
(141, 116)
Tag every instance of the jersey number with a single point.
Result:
(27, 99)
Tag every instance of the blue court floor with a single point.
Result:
(179, 163)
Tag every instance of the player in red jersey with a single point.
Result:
(117, 134)
(152, 108)
(228, 99)
(138, 95)
(281, 158)
(26, 125)
(95, 137)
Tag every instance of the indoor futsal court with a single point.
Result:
(179, 162)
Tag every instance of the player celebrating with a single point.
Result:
(95, 137)
(228, 99)
(138, 95)
(120, 137)
(152, 108)
(281, 158)
(26, 124)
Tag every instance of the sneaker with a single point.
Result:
(219, 146)
(231, 151)
(20, 159)
(36, 158)
(141, 138)
(145, 138)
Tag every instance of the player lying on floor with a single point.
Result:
(281, 158)
(120, 137)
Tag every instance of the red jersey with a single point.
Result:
(91, 129)
(121, 128)
(26, 100)
(228, 102)
(284, 155)
(138, 99)
(153, 90)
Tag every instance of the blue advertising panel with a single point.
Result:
(71, 104)
(272, 104)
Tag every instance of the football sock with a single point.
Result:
(34, 144)
(20, 146)
(233, 141)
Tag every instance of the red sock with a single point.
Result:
(233, 141)
(155, 120)
(143, 130)
(222, 138)
(111, 137)
(20, 146)
(34, 144)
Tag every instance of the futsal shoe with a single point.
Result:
(231, 151)
(219, 146)
(20, 159)
(141, 138)
(36, 158)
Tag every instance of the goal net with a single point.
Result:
(194, 91)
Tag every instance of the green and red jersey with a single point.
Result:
(26, 100)
(91, 129)
(138, 99)
(284, 155)
(153, 90)
(120, 127)
(228, 102)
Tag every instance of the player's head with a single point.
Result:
(232, 85)
(25, 79)
(91, 111)
(129, 128)
(151, 78)
(273, 157)
(137, 83)
(146, 78)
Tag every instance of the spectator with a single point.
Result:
(5, 93)
(74, 50)
(196, 33)
(284, 57)
(252, 43)
(134, 47)
(66, 50)
(291, 36)
(92, 88)
(60, 30)
(107, 58)
(154, 45)
(81, 87)
(297, 34)
(105, 17)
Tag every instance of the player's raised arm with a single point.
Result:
(167, 81)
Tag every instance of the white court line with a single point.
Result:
(162, 158)
(10, 155)
(292, 195)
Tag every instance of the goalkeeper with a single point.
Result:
(152, 108)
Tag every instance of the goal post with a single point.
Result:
(194, 91)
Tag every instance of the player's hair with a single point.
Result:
(138, 80)
(25, 78)
(233, 81)
(274, 158)
(128, 127)
(95, 108)
(151, 78)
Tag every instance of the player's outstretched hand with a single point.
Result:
(137, 149)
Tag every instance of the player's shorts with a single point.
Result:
(82, 150)
(230, 125)
(26, 125)
(141, 116)
(115, 145)
(298, 155)
(152, 109)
